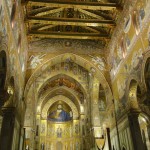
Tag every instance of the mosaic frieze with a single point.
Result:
(60, 130)
(64, 46)
(137, 17)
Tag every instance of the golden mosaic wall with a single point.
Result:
(66, 135)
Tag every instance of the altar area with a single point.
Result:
(59, 131)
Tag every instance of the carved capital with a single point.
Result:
(8, 110)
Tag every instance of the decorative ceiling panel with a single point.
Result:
(70, 19)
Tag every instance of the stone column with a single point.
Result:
(1, 119)
(21, 138)
(95, 114)
(108, 137)
(7, 129)
(94, 103)
(135, 131)
(96, 124)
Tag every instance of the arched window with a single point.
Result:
(123, 148)
(137, 21)
(123, 47)
(133, 100)
(138, 16)
(113, 147)
(13, 13)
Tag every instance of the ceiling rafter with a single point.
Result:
(70, 21)
(91, 29)
(90, 14)
(38, 10)
(50, 11)
(47, 27)
(69, 35)
(73, 4)
(36, 26)
(101, 13)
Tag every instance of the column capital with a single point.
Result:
(8, 110)
(134, 112)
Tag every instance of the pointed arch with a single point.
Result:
(70, 94)
(145, 63)
(65, 75)
(132, 95)
(5, 59)
(75, 58)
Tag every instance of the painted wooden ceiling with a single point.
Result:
(71, 19)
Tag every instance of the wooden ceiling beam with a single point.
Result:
(91, 29)
(47, 27)
(90, 14)
(70, 21)
(39, 10)
(73, 4)
(68, 35)
(50, 12)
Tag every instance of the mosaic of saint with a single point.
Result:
(59, 115)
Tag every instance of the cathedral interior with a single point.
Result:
(74, 74)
